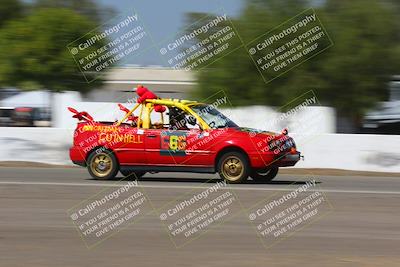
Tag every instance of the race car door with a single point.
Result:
(173, 147)
(129, 142)
(170, 146)
(156, 151)
(183, 146)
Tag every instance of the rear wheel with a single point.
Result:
(264, 175)
(102, 165)
(132, 174)
(233, 167)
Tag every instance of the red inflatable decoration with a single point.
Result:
(144, 94)
(81, 116)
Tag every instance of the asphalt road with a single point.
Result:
(358, 224)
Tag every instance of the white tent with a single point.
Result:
(35, 99)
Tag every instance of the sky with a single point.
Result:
(166, 18)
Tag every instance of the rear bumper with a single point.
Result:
(77, 156)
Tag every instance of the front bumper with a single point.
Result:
(288, 159)
(263, 160)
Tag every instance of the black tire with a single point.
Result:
(233, 167)
(132, 174)
(102, 165)
(265, 175)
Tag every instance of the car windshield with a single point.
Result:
(213, 117)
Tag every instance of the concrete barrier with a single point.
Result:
(44, 145)
(341, 151)
(352, 152)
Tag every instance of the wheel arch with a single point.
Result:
(230, 148)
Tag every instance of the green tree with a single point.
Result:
(365, 55)
(236, 73)
(87, 8)
(10, 9)
(350, 76)
(34, 54)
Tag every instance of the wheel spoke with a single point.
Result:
(226, 168)
(239, 169)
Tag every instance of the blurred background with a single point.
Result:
(356, 81)
(359, 76)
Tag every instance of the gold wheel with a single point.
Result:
(232, 168)
(101, 165)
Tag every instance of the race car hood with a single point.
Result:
(254, 132)
(271, 141)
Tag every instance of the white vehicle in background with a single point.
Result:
(30, 109)
(6, 114)
(385, 119)
(6, 111)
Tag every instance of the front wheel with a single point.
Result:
(102, 165)
(233, 167)
(264, 175)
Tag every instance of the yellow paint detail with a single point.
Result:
(121, 138)
(100, 128)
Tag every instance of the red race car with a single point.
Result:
(170, 135)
